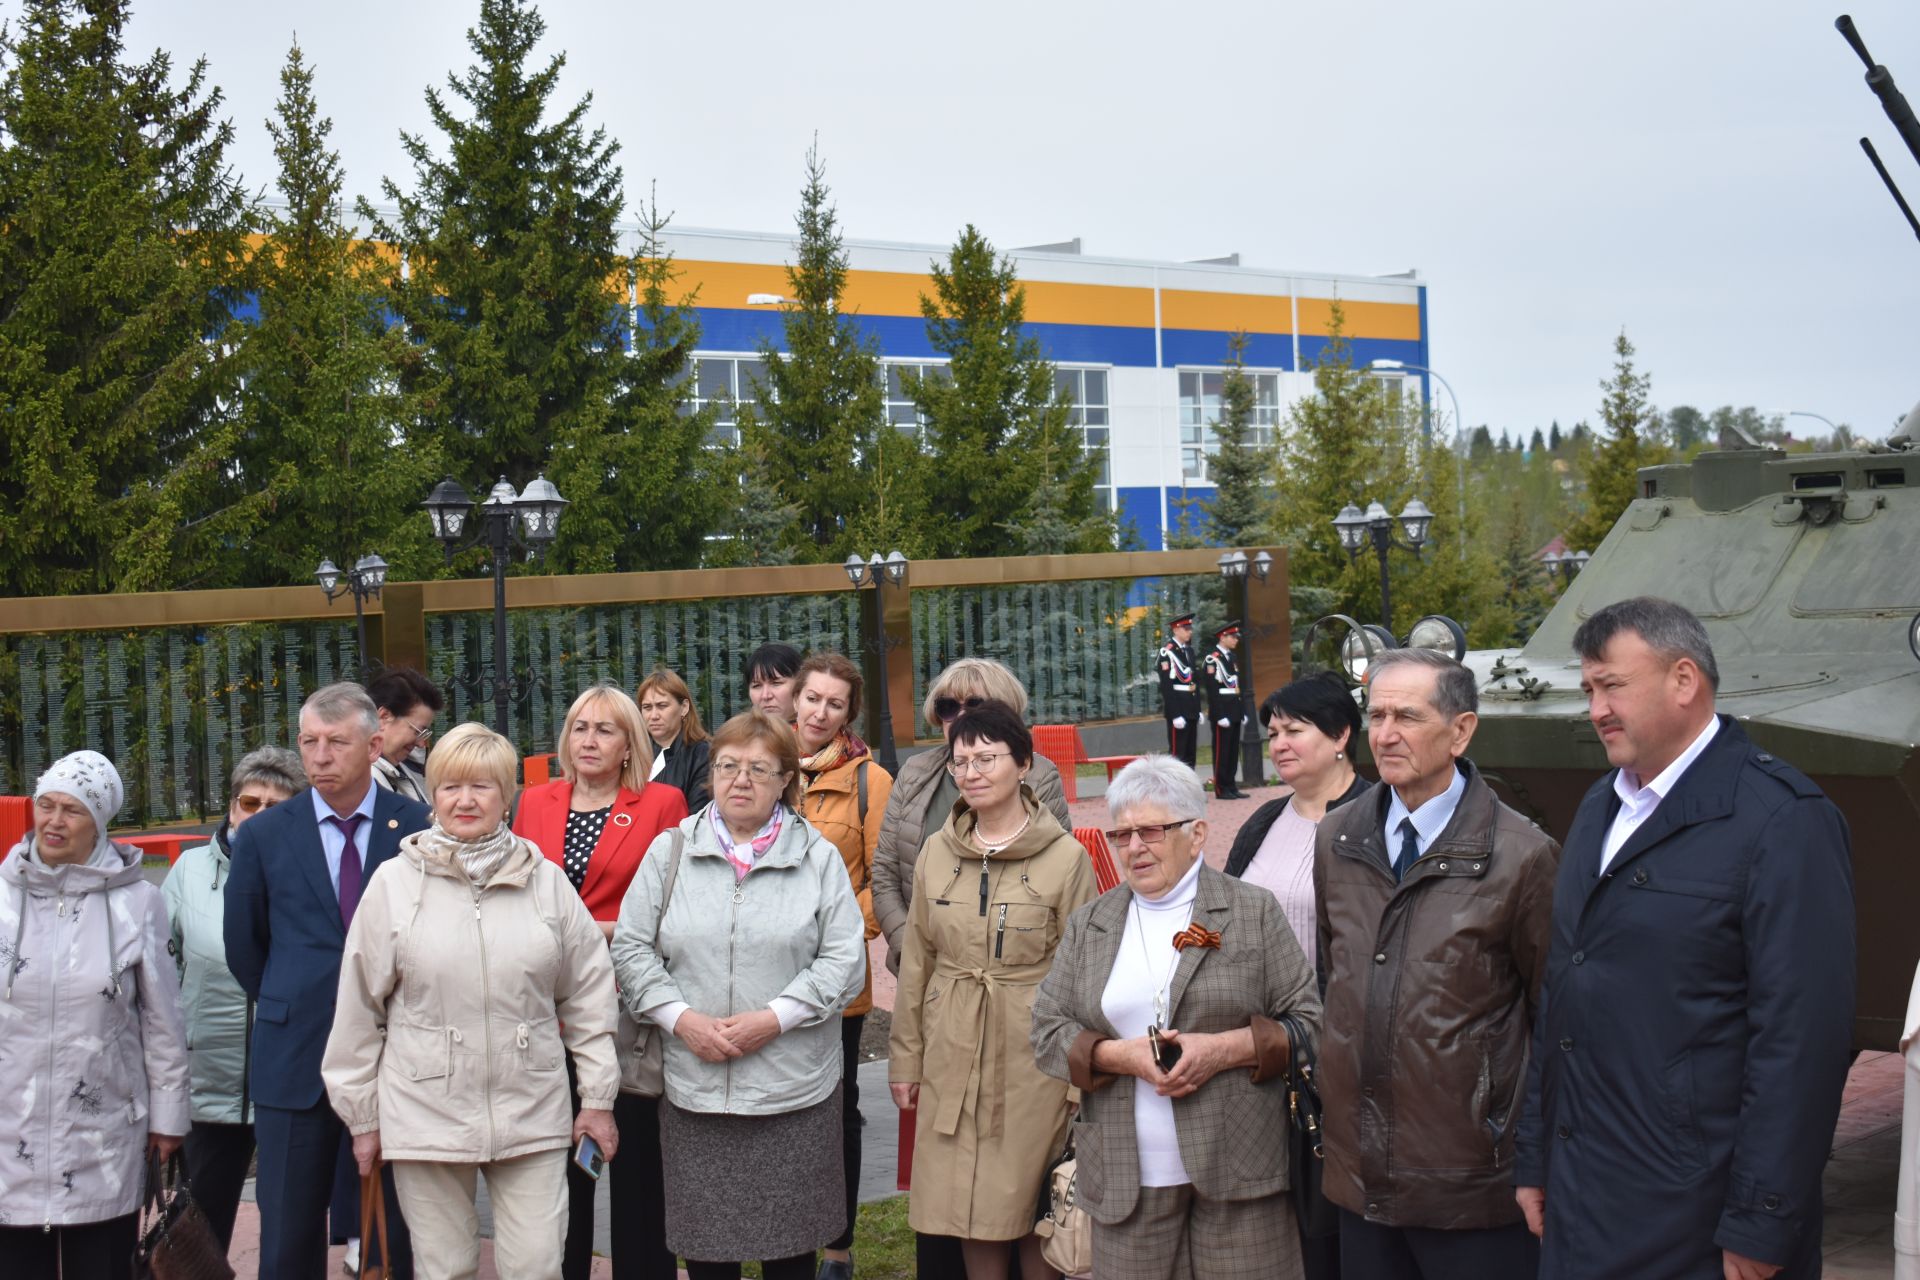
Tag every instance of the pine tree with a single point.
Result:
(1553, 437)
(1048, 525)
(760, 527)
(1537, 443)
(1480, 445)
(515, 301)
(1610, 468)
(998, 428)
(1242, 469)
(121, 263)
(819, 408)
(326, 438)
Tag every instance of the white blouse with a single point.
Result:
(1283, 866)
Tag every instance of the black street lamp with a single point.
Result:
(1241, 573)
(1565, 564)
(364, 580)
(1357, 528)
(531, 519)
(887, 574)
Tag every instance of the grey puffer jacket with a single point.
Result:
(902, 835)
(218, 1012)
(93, 1053)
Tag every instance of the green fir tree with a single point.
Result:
(1242, 468)
(1610, 468)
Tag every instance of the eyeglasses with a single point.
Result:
(728, 770)
(420, 736)
(253, 804)
(1122, 837)
(983, 764)
(947, 710)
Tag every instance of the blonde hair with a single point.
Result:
(975, 677)
(473, 751)
(750, 727)
(623, 711)
(670, 683)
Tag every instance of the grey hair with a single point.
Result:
(1454, 690)
(1161, 781)
(334, 703)
(1670, 630)
(274, 767)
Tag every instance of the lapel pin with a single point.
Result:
(393, 824)
(622, 819)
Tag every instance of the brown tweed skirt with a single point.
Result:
(750, 1188)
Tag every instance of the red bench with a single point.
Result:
(169, 846)
(16, 819)
(1106, 872)
(1061, 744)
(535, 770)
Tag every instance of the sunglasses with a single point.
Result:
(252, 804)
(947, 710)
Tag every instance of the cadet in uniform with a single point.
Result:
(1227, 709)
(1179, 696)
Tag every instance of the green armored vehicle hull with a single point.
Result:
(1805, 569)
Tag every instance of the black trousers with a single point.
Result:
(1369, 1251)
(850, 1029)
(96, 1250)
(1184, 744)
(298, 1151)
(217, 1159)
(1226, 754)
(798, 1267)
(636, 1195)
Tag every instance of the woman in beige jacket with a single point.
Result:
(471, 971)
(991, 896)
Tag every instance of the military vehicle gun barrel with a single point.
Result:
(1880, 80)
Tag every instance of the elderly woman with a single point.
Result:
(93, 1057)
(595, 822)
(1182, 1145)
(472, 971)
(218, 1013)
(406, 703)
(741, 938)
(924, 793)
(679, 742)
(770, 672)
(974, 952)
(843, 794)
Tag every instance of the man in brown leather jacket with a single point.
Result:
(1434, 901)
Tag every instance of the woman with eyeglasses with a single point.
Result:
(991, 896)
(407, 703)
(1168, 1008)
(741, 939)
(219, 1147)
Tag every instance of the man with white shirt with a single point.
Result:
(1695, 1030)
(1433, 901)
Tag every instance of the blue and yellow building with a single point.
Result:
(1140, 345)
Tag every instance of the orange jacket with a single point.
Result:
(832, 805)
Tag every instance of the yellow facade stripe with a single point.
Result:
(1052, 303)
(1363, 319)
(1256, 313)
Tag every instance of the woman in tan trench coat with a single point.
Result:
(991, 896)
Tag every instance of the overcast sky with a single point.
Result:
(1686, 169)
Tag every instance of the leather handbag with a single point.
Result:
(176, 1242)
(373, 1228)
(1065, 1229)
(641, 1048)
(1306, 1157)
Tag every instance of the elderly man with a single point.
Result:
(1433, 902)
(1694, 1040)
(297, 874)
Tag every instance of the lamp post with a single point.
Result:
(1459, 436)
(1359, 528)
(1241, 573)
(1565, 564)
(364, 580)
(883, 575)
(531, 519)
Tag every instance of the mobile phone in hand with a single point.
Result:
(587, 1156)
(1165, 1052)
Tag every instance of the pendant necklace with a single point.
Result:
(1162, 989)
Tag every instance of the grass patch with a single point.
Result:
(882, 1242)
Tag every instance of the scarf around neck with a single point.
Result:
(481, 858)
(841, 749)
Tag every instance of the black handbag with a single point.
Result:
(176, 1243)
(1306, 1157)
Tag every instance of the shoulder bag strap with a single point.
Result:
(673, 874)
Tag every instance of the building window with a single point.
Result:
(726, 384)
(1086, 390)
(1200, 409)
(902, 413)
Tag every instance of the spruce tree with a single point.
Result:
(999, 431)
(1537, 443)
(121, 263)
(326, 436)
(515, 301)
(819, 408)
(1553, 437)
(759, 528)
(1610, 468)
(1243, 468)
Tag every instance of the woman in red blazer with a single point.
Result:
(596, 820)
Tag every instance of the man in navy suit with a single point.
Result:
(298, 873)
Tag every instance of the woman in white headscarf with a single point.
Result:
(93, 1058)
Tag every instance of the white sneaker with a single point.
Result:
(351, 1263)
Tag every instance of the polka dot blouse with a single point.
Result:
(583, 833)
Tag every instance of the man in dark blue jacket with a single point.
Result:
(1693, 1037)
(298, 872)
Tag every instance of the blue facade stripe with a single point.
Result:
(1209, 347)
(1139, 506)
(1364, 351)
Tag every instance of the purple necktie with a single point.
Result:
(351, 876)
